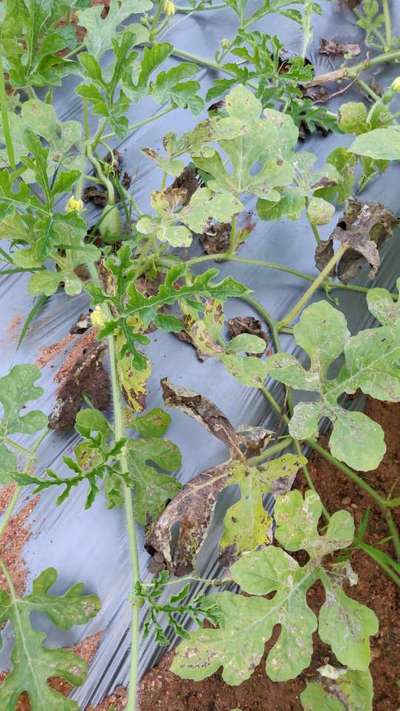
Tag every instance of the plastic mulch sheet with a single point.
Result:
(90, 546)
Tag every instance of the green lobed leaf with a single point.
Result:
(370, 364)
(246, 623)
(265, 141)
(100, 32)
(17, 388)
(33, 664)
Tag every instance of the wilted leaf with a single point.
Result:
(333, 48)
(177, 219)
(133, 381)
(323, 254)
(339, 690)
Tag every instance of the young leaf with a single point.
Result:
(33, 664)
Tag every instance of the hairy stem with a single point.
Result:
(134, 126)
(271, 451)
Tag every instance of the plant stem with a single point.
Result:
(393, 532)
(19, 447)
(388, 25)
(367, 89)
(297, 308)
(197, 59)
(199, 8)
(313, 227)
(386, 568)
(5, 119)
(9, 510)
(143, 122)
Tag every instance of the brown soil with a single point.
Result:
(161, 690)
(117, 701)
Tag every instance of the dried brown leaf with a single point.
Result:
(189, 181)
(323, 254)
(333, 48)
(215, 238)
(204, 411)
(191, 510)
(364, 228)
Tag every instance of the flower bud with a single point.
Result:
(169, 8)
(396, 85)
(97, 317)
(74, 205)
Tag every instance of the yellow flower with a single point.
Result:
(74, 205)
(396, 85)
(169, 8)
(98, 317)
